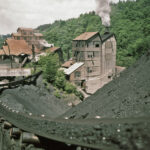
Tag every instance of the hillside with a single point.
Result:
(2, 39)
(130, 21)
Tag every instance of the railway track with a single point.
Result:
(28, 132)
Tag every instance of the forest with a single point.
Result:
(130, 22)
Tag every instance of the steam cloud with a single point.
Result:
(103, 10)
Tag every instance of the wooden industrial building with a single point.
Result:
(94, 60)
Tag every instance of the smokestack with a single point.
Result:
(107, 30)
(103, 10)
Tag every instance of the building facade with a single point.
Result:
(31, 36)
(98, 55)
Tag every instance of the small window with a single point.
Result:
(18, 38)
(97, 45)
(31, 33)
(24, 33)
(89, 70)
(90, 54)
(25, 38)
(77, 74)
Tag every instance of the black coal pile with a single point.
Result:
(126, 96)
(34, 100)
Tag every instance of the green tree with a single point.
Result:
(49, 65)
(60, 80)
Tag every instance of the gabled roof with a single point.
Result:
(85, 36)
(106, 36)
(53, 49)
(5, 50)
(2, 52)
(73, 68)
(16, 34)
(67, 64)
(17, 47)
(25, 29)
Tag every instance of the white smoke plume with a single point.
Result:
(103, 10)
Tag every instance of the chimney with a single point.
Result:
(107, 30)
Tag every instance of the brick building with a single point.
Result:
(94, 60)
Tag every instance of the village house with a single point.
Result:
(25, 45)
(16, 52)
(32, 37)
(94, 61)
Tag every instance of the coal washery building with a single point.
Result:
(94, 61)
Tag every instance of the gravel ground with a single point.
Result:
(127, 96)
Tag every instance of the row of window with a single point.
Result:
(95, 44)
(108, 44)
(77, 74)
(81, 55)
(28, 38)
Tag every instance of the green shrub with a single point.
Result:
(49, 65)
(60, 80)
(57, 94)
(69, 88)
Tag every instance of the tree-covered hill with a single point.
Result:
(130, 21)
(2, 39)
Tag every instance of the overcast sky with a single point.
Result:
(32, 13)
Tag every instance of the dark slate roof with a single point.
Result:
(106, 36)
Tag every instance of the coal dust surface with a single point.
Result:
(126, 96)
(34, 100)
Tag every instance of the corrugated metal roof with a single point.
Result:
(85, 36)
(73, 68)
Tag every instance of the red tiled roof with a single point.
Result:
(38, 34)
(17, 47)
(67, 64)
(53, 49)
(2, 52)
(25, 29)
(85, 36)
(16, 34)
(5, 49)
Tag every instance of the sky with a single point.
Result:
(32, 13)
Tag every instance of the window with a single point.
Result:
(90, 54)
(89, 70)
(97, 45)
(18, 38)
(77, 74)
(24, 33)
(31, 33)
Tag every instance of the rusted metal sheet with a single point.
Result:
(15, 72)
